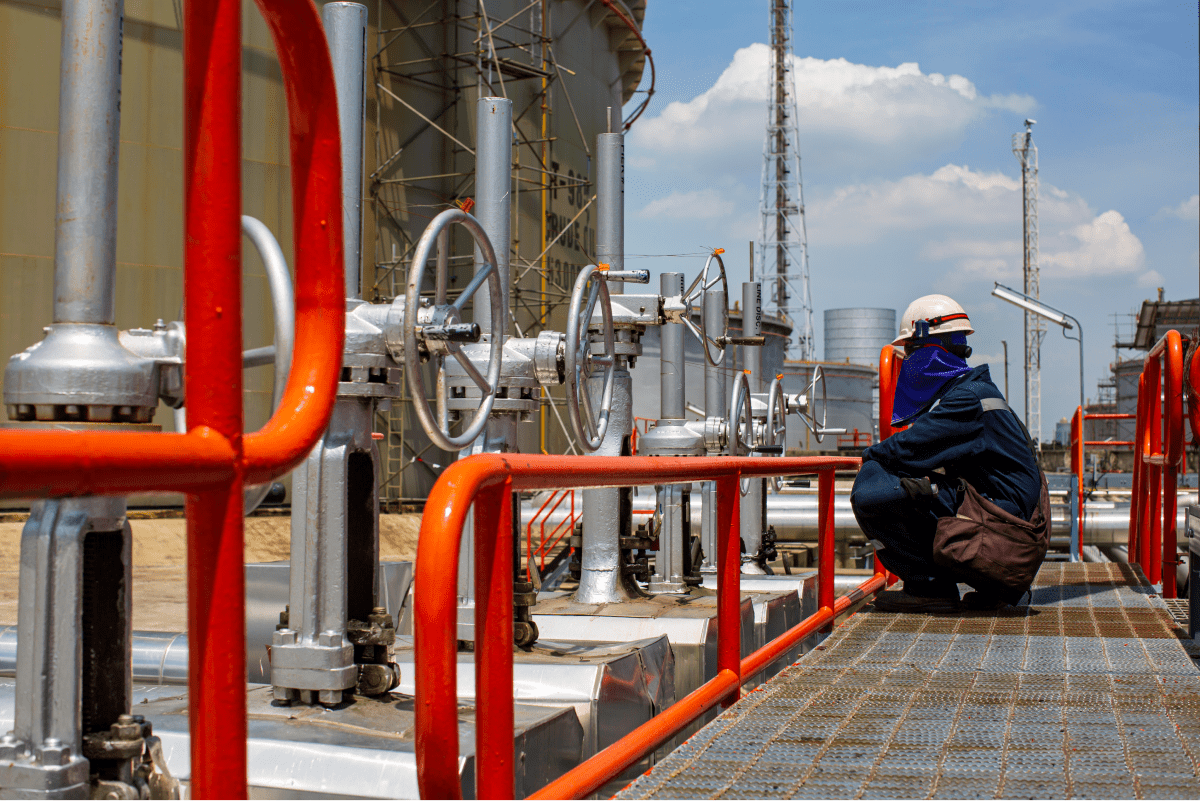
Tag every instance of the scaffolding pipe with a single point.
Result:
(346, 31)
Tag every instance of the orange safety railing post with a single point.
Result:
(494, 642)
(1077, 435)
(825, 539)
(729, 567)
(1137, 504)
(212, 246)
(1152, 549)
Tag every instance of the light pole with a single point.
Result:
(1059, 318)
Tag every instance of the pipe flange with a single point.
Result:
(716, 435)
(671, 438)
(548, 357)
(81, 372)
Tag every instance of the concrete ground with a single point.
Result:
(160, 564)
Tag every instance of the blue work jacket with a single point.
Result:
(987, 448)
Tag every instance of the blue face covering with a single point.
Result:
(922, 376)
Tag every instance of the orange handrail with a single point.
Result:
(562, 529)
(1159, 449)
(214, 459)
(487, 482)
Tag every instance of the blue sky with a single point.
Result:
(906, 117)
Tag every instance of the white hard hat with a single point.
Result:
(943, 314)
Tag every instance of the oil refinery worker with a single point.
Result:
(959, 426)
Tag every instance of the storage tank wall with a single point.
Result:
(857, 335)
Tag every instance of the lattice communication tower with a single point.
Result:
(1035, 330)
(782, 234)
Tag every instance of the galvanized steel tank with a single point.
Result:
(856, 335)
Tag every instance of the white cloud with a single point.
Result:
(1104, 246)
(1186, 210)
(1150, 278)
(849, 113)
(702, 204)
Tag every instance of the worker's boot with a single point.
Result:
(919, 596)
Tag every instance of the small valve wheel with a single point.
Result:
(741, 423)
(774, 431)
(699, 291)
(807, 407)
(436, 330)
(589, 424)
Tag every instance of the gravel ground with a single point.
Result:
(159, 562)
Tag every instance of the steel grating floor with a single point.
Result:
(1086, 693)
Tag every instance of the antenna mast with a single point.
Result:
(1026, 152)
(782, 234)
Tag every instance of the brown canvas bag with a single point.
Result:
(994, 551)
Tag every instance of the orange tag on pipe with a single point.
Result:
(779, 376)
(718, 251)
(602, 266)
(747, 372)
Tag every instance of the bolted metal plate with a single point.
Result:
(1086, 693)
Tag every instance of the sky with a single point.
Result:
(906, 116)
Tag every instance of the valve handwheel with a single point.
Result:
(438, 331)
(808, 412)
(588, 423)
(699, 291)
(774, 432)
(740, 424)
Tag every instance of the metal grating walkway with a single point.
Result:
(1086, 693)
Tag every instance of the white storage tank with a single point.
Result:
(857, 335)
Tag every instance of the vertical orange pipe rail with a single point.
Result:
(729, 567)
(494, 645)
(825, 555)
(889, 373)
(212, 247)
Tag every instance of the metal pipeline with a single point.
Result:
(600, 578)
(794, 517)
(493, 198)
(89, 123)
(346, 31)
(159, 657)
(752, 502)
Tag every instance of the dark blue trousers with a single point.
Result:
(905, 527)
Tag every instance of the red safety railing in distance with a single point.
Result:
(488, 483)
(1158, 452)
(1077, 456)
(547, 543)
(214, 459)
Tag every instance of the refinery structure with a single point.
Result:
(320, 271)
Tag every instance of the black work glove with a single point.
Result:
(916, 487)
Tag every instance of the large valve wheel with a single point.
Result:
(774, 432)
(808, 403)
(740, 424)
(588, 423)
(699, 291)
(436, 331)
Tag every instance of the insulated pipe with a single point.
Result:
(89, 122)
(671, 376)
(346, 31)
(714, 406)
(752, 503)
(610, 199)
(600, 579)
(493, 198)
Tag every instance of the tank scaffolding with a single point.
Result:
(1035, 329)
(782, 233)
(430, 65)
